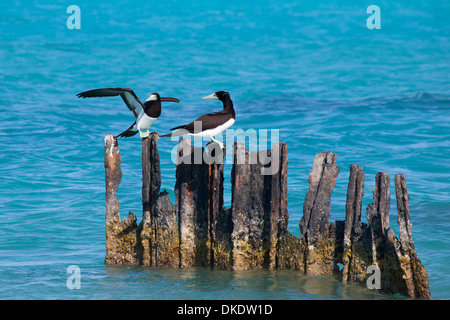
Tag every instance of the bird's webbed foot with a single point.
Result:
(144, 134)
(221, 145)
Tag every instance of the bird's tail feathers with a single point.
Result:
(177, 133)
(129, 132)
(174, 134)
(179, 127)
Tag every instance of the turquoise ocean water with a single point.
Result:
(378, 98)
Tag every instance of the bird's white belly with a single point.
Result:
(214, 131)
(144, 122)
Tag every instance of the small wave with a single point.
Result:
(421, 95)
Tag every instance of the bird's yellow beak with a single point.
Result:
(211, 96)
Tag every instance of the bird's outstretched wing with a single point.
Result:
(129, 97)
(208, 121)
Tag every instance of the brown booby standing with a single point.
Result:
(145, 114)
(211, 123)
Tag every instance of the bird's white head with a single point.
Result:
(153, 97)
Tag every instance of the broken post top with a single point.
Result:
(316, 208)
(403, 219)
(113, 176)
(378, 210)
(355, 194)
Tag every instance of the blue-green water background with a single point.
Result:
(312, 69)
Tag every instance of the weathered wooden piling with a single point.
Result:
(198, 231)
(122, 238)
(353, 229)
(414, 273)
(259, 207)
(247, 209)
(192, 194)
(219, 218)
(378, 213)
(404, 222)
(376, 244)
(159, 226)
(319, 248)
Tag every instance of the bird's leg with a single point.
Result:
(143, 134)
(220, 143)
